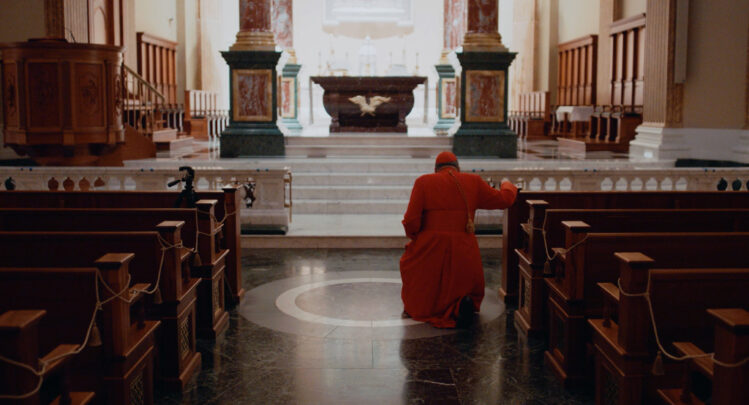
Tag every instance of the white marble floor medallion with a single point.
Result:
(351, 304)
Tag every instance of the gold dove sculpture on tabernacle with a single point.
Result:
(369, 108)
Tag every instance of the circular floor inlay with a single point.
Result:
(350, 304)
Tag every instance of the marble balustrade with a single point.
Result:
(618, 179)
(271, 209)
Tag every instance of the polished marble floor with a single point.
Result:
(297, 362)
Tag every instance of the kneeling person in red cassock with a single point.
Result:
(443, 279)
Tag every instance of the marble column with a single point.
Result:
(252, 60)
(483, 92)
(447, 85)
(663, 97)
(283, 31)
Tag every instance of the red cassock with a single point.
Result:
(442, 262)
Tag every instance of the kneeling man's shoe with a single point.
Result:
(465, 312)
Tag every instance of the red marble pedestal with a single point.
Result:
(368, 104)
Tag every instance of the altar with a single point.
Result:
(368, 103)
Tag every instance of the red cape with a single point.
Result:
(442, 262)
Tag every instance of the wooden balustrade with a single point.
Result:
(532, 117)
(203, 118)
(157, 64)
(577, 71)
(576, 89)
(613, 125)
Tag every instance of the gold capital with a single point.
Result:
(254, 41)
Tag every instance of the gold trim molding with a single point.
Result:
(483, 42)
(254, 41)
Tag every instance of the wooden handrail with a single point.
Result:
(143, 81)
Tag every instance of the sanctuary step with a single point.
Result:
(366, 145)
(361, 231)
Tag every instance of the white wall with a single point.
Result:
(577, 18)
(219, 26)
(633, 7)
(157, 17)
(313, 43)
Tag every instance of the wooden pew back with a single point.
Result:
(79, 249)
(519, 213)
(67, 294)
(100, 219)
(646, 220)
(227, 211)
(681, 298)
(593, 261)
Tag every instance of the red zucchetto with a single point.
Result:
(445, 157)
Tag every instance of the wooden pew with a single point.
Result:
(212, 318)
(625, 348)
(120, 367)
(177, 360)
(226, 213)
(728, 384)
(519, 213)
(19, 341)
(573, 291)
(533, 254)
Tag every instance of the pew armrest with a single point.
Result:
(702, 364)
(59, 357)
(526, 228)
(610, 292)
(736, 319)
(136, 292)
(610, 302)
(20, 319)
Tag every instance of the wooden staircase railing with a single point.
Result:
(146, 110)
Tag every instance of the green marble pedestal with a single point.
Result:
(289, 93)
(447, 99)
(252, 129)
(483, 106)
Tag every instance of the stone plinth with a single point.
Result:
(483, 130)
(252, 129)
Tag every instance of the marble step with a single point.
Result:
(417, 151)
(344, 242)
(354, 192)
(370, 140)
(360, 165)
(362, 206)
(354, 179)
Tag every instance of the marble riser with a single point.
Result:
(348, 151)
(354, 179)
(370, 207)
(344, 242)
(351, 193)
(368, 140)
(387, 165)
(349, 207)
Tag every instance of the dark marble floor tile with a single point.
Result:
(490, 363)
